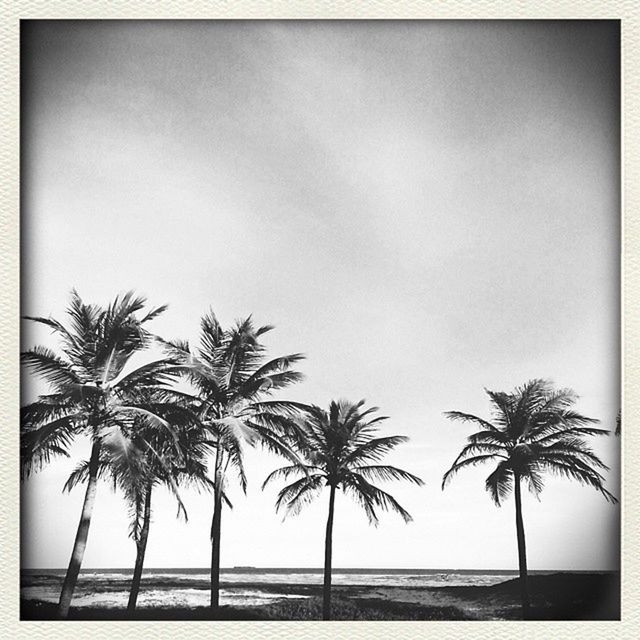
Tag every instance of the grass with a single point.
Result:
(293, 609)
(361, 609)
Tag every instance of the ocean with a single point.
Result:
(240, 586)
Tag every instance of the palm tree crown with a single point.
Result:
(340, 450)
(534, 430)
(231, 375)
(90, 393)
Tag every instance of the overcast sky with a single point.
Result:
(425, 209)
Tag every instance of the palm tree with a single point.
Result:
(148, 459)
(92, 394)
(339, 450)
(232, 377)
(533, 430)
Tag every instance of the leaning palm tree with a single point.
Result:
(232, 377)
(339, 450)
(147, 459)
(93, 391)
(534, 430)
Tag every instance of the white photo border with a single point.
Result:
(12, 11)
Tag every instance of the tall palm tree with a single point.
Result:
(339, 450)
(232, 377)
(534, 430)
(91, 394)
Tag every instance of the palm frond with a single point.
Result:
(150, 416)
(46, 409)
(39, 445)
(474, 448)
(273, 443)
(468, 462)
(69, 341)
(80, 475)
(158, 372)
(468, 417)
(275, 366)
(500, 482)
(558, 431)
(46, 364)
(570, 466)
(371, 497)
(233, 446)
(285, 472)
(154, 313)
(299, 493)
(375, 449)
(534, 479)
(573, 447)
(286, 408)
(498, 438)
(169, 478)
(386, 473)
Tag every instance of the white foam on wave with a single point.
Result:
(160, 597)
(45, 593)
(376, 579)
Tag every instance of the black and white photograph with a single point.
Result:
(320, 320)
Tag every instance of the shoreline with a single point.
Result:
(560, 596)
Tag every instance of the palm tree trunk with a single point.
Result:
(522, 551)
(326, 589)
(70, 580)
(215, 536)
(141, 546)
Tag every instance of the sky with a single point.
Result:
(425, 209)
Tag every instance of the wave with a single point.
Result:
(110, 588)
(160, 597)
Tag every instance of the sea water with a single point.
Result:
(240, 586)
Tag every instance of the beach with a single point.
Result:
(554, 596)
